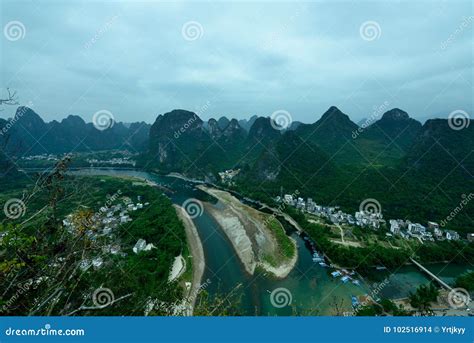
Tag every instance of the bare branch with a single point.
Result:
(11, 99)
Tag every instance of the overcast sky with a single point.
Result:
(140, 59)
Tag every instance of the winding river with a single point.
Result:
(310, 288)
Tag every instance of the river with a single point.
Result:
(309, 288)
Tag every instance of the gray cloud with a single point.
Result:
(252, 58)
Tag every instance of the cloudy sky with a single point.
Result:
(143, 58)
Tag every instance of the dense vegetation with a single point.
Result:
(286, 248)
(466, 281)
(384, 307)
(365, 258)
(424, 296)
(420, 173)
(41, 260)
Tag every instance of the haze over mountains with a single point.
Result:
(30, 135)
(180, 141)
(418, 170)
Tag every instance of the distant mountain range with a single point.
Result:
(181, 141)
(28, 134)
(413, 169)
(416, 171)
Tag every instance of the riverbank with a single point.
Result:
(252, 239)
(197, 253)
(177, 269)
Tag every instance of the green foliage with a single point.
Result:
(362, 259)
(424, 296)
(45, 256)
(384, 307)
(466, 281)
(285, 245)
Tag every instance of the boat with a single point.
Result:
(336, 274)
(317, 259)
(322, 264)
(345, 279)
(355, 301)
(356, 282)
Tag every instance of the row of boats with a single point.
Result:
(344, 274)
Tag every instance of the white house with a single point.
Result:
(394, 227)
(452, 235)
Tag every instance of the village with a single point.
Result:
(103, 224)
(374, 219)
(118, 161)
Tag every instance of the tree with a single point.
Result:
(11, 98)
(424, 296)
